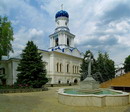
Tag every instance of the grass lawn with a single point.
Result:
(46, 101)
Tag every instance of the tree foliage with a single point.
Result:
(104, 68)
(6, 36)
(127, 64)
(31, 69)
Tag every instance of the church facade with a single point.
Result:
(62, 59)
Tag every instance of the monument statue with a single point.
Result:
(89, 59)
(89, 82)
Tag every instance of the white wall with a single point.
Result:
(51, 59)
(10, 70)
(63, 75)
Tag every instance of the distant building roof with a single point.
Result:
(120, 81)
(5, 57)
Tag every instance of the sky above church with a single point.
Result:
(99, 25)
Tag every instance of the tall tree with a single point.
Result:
(104, 67)
(127, 64)
(6, 36)
(31, 67)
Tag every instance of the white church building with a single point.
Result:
(62, 59)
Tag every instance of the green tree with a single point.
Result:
(84, 66)
(127, 64)
(31, 69)
(6, 36)
(104, 68)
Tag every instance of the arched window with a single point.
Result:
(68, 42)
(58, 22)
(68, 81)
(2, 70)
(65, 23)
(75, 81)
(73, 68)
(67, 68)
(61, 67)
(77, 69)
(56, 42)
(59, 82)
(57, 65)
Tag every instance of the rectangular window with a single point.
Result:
(2, 70)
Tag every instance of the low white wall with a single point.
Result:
(93, 100)
(117, 100)
(81, 100)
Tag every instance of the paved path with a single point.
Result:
(46, 101)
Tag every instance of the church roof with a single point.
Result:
(43, 50)
(62, 13)
(6, 58)
(68, 50)
(62, 31)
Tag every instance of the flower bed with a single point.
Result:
(20, 89)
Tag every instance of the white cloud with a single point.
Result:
(24, 35)
(34, 32)
(120, 26)
(28, 23)
(103, 38)
(123, 40)
(88, 21)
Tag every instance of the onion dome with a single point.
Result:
(62, 13)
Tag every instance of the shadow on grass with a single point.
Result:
(18, 102)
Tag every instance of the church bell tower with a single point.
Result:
(61, 38)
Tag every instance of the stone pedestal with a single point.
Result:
(89, 83)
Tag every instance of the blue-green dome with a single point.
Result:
(62, 13)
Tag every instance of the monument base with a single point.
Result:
(89, 83)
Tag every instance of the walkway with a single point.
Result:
(46, 101)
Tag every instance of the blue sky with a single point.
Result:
(99, 25)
